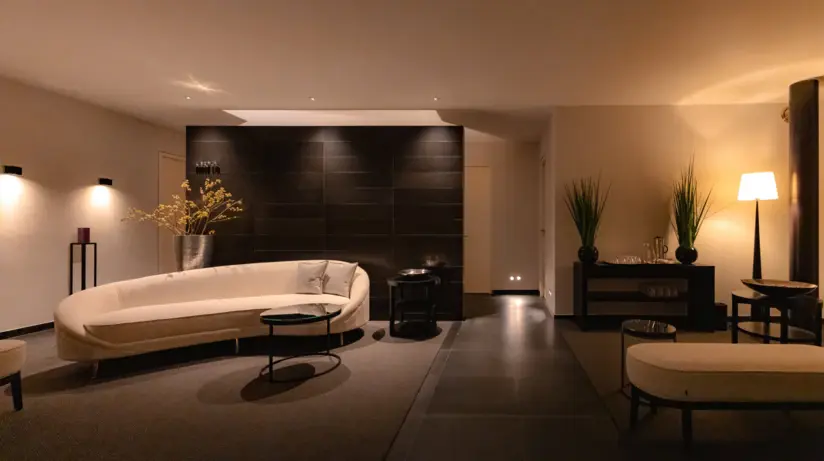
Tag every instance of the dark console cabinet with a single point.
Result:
(607, 294)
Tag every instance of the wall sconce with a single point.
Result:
(101, 193)
(15, 170)
(207, 168)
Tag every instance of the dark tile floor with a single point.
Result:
(506, 386)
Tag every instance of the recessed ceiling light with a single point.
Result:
(311, 98)
(435, 98)
(188, 97)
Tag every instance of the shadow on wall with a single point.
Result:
(515, 126)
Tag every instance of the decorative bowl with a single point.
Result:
(779, 288)
(414, 274)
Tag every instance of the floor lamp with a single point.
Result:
(757, 186)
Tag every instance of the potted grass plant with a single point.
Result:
(689, 210)
(585, 201)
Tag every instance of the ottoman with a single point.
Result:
(12, 357)
(695, 376)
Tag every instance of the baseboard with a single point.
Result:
(563, 316)
(516, 292)
(26, 330)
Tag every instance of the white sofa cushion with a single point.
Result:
(12, 356)
(699, 372)
(145, 323)
(338, 278)
(310, 277)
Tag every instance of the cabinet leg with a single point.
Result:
(734, 322)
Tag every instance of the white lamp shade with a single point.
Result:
(758, 186)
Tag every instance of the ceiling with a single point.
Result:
(137, 56)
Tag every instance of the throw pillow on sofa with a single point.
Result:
(310, 277)
(338, 278)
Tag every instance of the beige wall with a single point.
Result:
(640, 151)
(514, 171)
(63, 146)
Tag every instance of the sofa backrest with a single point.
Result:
(222, 282)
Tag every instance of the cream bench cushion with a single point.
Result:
(12, 356)
(700, 372)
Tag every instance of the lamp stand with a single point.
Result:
(756, 252)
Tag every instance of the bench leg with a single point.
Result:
(686, 427)
(17, 391)
(635, 402)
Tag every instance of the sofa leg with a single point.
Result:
(237, 346)
(686, 427)
(95, 369)
(17, 391)
(635, 402)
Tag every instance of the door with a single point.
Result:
(478, 229)
(171, 173)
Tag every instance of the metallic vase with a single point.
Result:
(193, 251)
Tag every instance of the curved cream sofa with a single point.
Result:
(192, 307)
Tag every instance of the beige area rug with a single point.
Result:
(599, 355)
(198, 405)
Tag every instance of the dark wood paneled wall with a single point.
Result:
(386, 197)
(803, 191)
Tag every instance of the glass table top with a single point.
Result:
(300, 314)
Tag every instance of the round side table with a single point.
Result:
(301, 314)
(643, 329)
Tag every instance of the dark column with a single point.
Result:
(804, 181)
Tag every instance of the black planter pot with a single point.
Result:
(588, 255)
(686, 255)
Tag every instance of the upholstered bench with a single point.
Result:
(12, 357)
(725, 376)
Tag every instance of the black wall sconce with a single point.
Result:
(15, 170)
(207, 168)
(105, 181)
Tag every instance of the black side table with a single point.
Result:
(764, 329)
(643, 329)
(407, 294)
(83, 258)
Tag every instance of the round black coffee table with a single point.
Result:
(301, 314)
(643, 329)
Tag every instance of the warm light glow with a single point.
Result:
(101, 196)
(758, 186)
(11, 187)
(794, 189)
(518, 278)
(311, 99)
(197, 85)
(511, 277)
(188, 98)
